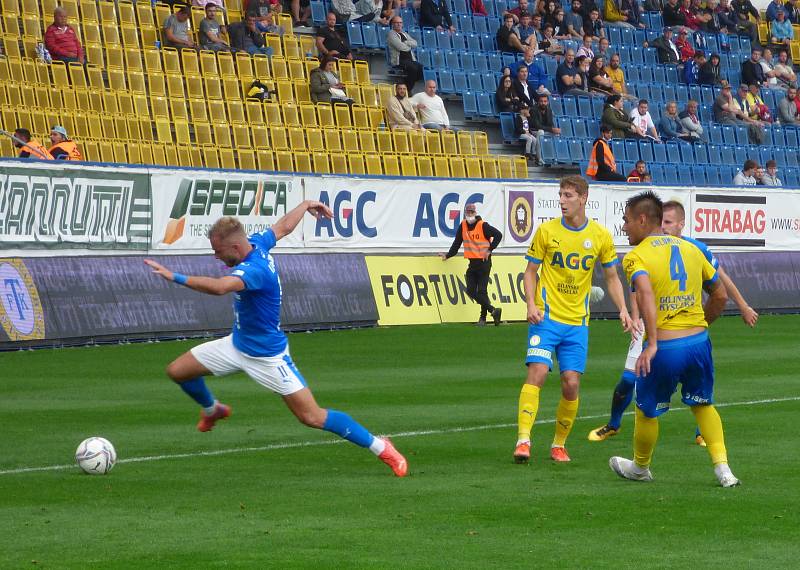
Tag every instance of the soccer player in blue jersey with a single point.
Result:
(668, 275)
(257, 346)
(558, 280)
(672, 223)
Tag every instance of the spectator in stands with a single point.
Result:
(478, 8)
(583, 63)
(542, 119)
(710, 72)
(653, 5)
(773, 8)
(728, 111)
(525, 93)
(246, 37)
(787, 108)
(743, 10)
(585, 49)
(690, 121)
(401, 52)
(433, 115)
(519, 10)
(639, 173)
(506, 97)
(792, 8)
(594, 26)
(61, 40)
(325, 85)
(603, 49)
(332, 42)
(211, 32)
(30, 147)
(614, 118)
(369, 11)
(526, 135)
(640, 115)
(549, 43)
(507, 39)
(746, 177)
(694, 19)
(574, 20)
(614, 71)
(670, 125)
(602, 165)
(262, 11)
(585, 11)
(599, 81)
(560, 30)
(400, 110)
(614, 15)
(712, 24)
(536, 23)
(537, 75)
(784, 72)
(685, 49)
(632, 12)
(752, 72)
(667, 50)
(672, 15)
(781, 31)
(176, 29)
(568, 76)
(753, 105)
(770, 177)
(691, 71)
(63, 148)
(548, 10)
(767, 65)
(301, 12)
(435, 14)
(526, 32)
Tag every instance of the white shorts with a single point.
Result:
(634, 349)
(277, 373)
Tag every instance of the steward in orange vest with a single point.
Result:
(30, 147)
(63, 148)
(479, 240)
(602, 165)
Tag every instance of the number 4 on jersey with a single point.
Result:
(676, 269)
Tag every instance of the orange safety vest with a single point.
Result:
(476, 246)
(36, 149)
(609, 158)
(70, 148)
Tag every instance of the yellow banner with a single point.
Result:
(423, 290)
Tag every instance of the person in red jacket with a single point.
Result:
(61, 40)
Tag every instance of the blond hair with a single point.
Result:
(225, 227)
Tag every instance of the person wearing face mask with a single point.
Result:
(479, 239)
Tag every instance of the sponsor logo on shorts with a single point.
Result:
(535, 339)
(699, 400)
(540, 352)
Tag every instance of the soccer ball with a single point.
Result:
(596, 295)
(96, 456)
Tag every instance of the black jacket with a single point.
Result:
(542, 121)
(433, 13)
(665, 52)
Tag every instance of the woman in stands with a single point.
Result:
(325, 85)
(599, 81)
(505, 96)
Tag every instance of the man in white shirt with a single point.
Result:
(746, 177)
(642, 119)
(431, 109)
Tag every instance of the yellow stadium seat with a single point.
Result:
(346, 72)
(342, 113)
(408, 165)
(125, 101)
(291, 47)
(401, 144)
(202, 132)
(433, 140)
(130, 36)
(108, 12)
(95, 54)
(384, 140)
(157, 84)
(308, 45)
(89, 12)
(31, 26)
(520, 167)
(308, 114)
(425, 166)
(39, 122)
(361, 117)
(274, 41)
(247, 159)
(126, 12)
(506, 167)
(227, 158)
(210, 156)
(416, 139)
(481, 142)
(302, 91)
(449, 144)
(441, 166)
(241, 136)
(260, 135)
(159, 106)
(296, 69)
(222, 134)
(366, 140)
(116, 79)
(285, 92)
(316, 142)
(178, 110)
(41, 92)
(320, 164)
(133, 59)
(297, 138)
(291, 114)
(489, 167)
(386, 92)
(145, 15)
(175, 86)
(334, 141)
(11, 45)
(150, 35)
(181, 131)
(458, 168)
(82, 97)
(134, 153)
(170, 154)
(106, 151)
(465, 145)
(216, 111)
(260, 66)
(163, 129)
(172, 60)
(136, 83)
(190, 62)
(146, 128)
(265, 159)
(279, 68)
(339, 163)
(373, 162)
(236, 112)
(147, 153)
(111, 35)
(135, 128)
(283, 161)
(213, 87)
(208, 63)
(284, 21)
(254, 112)
(77, 76)
(391, 165)
(226, 65)
(311, 63)
(325, 115)
(375, 117)
(152, 60)
(90, 32)
(356, 163)
(95, 76)
(272, 113)
(362, 72)
(278, 136)
(473, 164)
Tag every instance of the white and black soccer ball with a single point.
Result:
(96, 456)
(596, 295)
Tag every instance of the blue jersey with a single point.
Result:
(257, 308)
(704, 248)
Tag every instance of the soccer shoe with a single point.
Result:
(496, 314)
(725, 477)
(206, 423)
(481, 322)
(602, 433)
(699, 440)
(627, 469)
(522, 453)
(394, 459)
(559, 454)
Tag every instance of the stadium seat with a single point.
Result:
(508, 129)
(698, 173)
(646, 152)
(548, 149)
(713, 175)
(566, 126)
(576, 151)
(727, 154)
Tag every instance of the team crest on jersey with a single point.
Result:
(535, 340)
(587, 244)
(21, 313)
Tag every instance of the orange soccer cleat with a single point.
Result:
(559, 454)
(394, 459)
(522, 453)
(206, 423)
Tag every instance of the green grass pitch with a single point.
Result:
(449, 393)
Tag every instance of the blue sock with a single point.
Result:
(344, 426)
(198, 391)
(697, 431)
(623, 394)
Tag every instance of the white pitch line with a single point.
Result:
(293, 445)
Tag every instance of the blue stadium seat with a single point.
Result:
(714, 154)
(451, 60)
(712, 175)
(657, 172)
(741, 154)
(670, 93)
(671, 73)
(566, 126)
(695, 93)
(460, 81)
(467, 61)
(460, 7)
(318, 12)
(585, 107)
(728, 135)
(464, 23)
(556, 106)
(459, 40)
(548, 149)
(764, 154)
(656, 21)
(744, 47)
(671, 175)
(485, 104)
(446, 82)
(597, 106)
(587, 146)
(369, 32)
(728, 154)
(673, 152)
(429, 74)
(714, 133)
(491, 81)
(698, 173)
(470, 104)
(646, 152)
(637, 53)
(480, 24)
(646, 73)
(792, 137)
(491, 9)
(631, 149)
(481, 62)
(354, 35)
(429, 37)
(778, 136)
(660, 153)
(570, 106)
(701, 154)
(686, 153)
(791, 177)
(614, 34)
(618, 148)
(624, 53)
(650, 55)
(495, 61)
(474, 42)
(474, 81)
(681, 94)
(579, 128)
(425, 57)
(488, 42)
(383, 31)
(742, 137)
(726, 173)
(562, 150)
(509, 59)
(576, 151)
(508, 128)
(632, 73)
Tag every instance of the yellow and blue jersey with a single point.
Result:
(567, 257)
(677, 269)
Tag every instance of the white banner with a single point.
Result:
(390, 213)
(187, 203)
(616, 197)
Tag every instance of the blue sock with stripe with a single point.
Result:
(344, 426)
(623, 394)
(198, 391)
